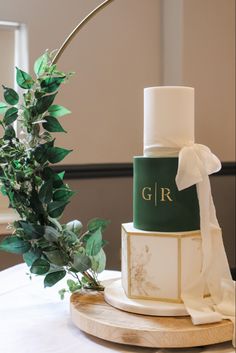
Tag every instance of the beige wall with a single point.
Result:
(199, 51)
(7, 56)
(6, 77)
(209, 66)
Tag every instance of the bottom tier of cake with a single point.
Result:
(159, 265)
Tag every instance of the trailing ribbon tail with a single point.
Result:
(196, 163)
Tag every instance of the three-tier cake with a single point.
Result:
(161, 248)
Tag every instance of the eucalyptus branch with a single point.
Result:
(37, 192)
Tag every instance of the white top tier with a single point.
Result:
(168, 118)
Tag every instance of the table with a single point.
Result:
(35, 320)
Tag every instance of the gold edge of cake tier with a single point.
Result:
(179, 268)
(195, 233)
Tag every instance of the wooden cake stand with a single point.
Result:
(93, 315)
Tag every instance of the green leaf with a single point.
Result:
(74, 226)
(39, 94)
(94, 243)
(52, 69)
(36, 206)
(57, 257)
(97, 223)
(51, 234)
(73, 286)
(32, 255)
(51, 84)
(40, 267)
(11, 96)
(81, 262)
(44, 103)
(23, 79)
(57, 154)
(15, 245)
(86, 282)
(41, 64)
(61, 175)
(57, 178)
(3, 190)
(3, 108)
(58, 110)
(55, 223)
(99, 262)
(62, 292)
(9, 133)
(32, 231)
(10, 115)
(53, 277)
(62, 194)
(40, 153)
(69, 237)
(52, 124)
(46, 192)
(56, 208)
(47, 173)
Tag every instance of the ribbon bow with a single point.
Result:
(195, 162)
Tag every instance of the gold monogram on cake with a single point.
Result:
(156, 193)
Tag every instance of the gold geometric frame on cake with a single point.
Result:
(179, 236)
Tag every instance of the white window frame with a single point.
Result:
(21, 60)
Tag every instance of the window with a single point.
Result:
(13, 41)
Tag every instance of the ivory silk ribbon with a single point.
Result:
(196, 163)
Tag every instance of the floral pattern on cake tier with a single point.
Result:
(158, 265)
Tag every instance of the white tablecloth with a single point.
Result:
(35, 320)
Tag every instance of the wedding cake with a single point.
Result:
(173, 258)
(161, 249)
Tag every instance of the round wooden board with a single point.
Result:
(94, 316)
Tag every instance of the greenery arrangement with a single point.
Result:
(37, 192)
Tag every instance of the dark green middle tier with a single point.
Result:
(158, 205)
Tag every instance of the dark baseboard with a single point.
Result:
(233, 273)
(118, 170)
(228, 168)
(94, 171)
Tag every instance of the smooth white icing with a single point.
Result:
(168, 118)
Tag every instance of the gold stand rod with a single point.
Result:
(78, 28)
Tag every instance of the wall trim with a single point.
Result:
(94, 171)
(228, 168)
(118, 170)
